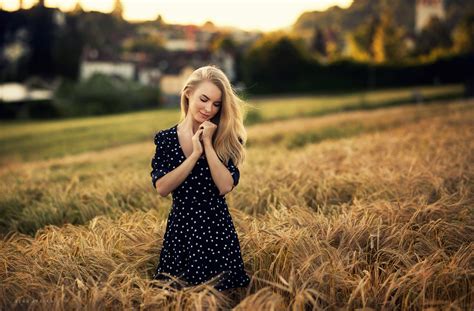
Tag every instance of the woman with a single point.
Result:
(196, 160)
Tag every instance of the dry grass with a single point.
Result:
(383, 220)
(76, 188)
(30, 141)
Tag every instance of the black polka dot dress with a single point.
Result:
(200, 241)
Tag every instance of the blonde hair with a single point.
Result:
(231, 136)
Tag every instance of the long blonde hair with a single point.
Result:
(231, 136)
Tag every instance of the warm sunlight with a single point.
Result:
(236, 154)
(262, 14)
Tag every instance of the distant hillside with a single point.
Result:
(347, 19)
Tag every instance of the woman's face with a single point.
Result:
(205, 101)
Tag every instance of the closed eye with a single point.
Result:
(205, 100)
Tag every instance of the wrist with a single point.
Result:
(194, 156)
(207, 143)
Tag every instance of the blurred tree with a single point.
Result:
(42, 37)
(104, 32)
(463, 35)
(103, 94)
(77, 8)
(145, 43)
(14, 44)
(377, 44)
(362, 39)
(395, 46)
(68, 48)
(118, 9)
(276, 62)
(436, 35)
(223, 42)
(354, 48)
(160, 21)
(334, 43)
(379, 39)
(319, 43)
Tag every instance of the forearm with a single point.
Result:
(219, 172)
(166, 184)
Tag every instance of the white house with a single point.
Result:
(17, 92)
(180, 44)
(149, 76)
(427, 9)
(171, 85)
(122, 69)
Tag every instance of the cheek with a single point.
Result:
(197, 105)
(200, 105)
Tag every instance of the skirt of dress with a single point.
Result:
(201, 245)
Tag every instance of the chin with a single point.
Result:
(198, 120)
(201, 118)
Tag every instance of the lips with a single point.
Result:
(204, 115)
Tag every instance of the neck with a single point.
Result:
(190, 124)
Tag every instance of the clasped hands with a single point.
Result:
(202, 137)
(208, 129)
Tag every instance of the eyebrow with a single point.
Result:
(209, 98)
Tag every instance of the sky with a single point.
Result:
(265, 15)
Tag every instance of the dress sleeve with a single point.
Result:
(234, 171)
(159, 163)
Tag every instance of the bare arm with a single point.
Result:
(166, 184)
(174, 178)
(220, 174)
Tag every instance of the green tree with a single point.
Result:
(463, 35)
(436, 35)
(318, 43)
(67, 48)
(275, 62)
(146, 43)
(225, 43)
(363, 37)
(381, 39)
(395, 48)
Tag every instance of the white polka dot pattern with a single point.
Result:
(200, 241)
(159, 163)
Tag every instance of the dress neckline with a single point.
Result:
(179, 144)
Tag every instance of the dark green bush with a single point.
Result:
(102, 94)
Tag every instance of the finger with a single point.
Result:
(198, 133)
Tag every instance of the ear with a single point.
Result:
(186, 94)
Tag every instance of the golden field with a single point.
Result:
(363, 209)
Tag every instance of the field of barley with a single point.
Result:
(352, 209)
